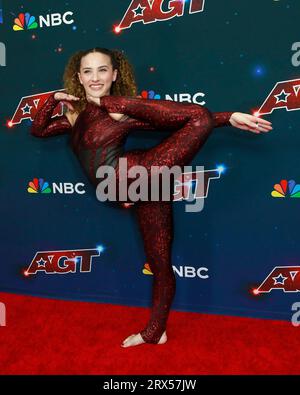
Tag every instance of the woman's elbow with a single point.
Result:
(36, 131)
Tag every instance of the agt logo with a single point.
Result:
(150, 11)
(195, 184)
(2, 55)
(286, 278)
(38, 185)
(285, 94)
(29, 105)
(286, 188)
(63, 262)
(25, 21)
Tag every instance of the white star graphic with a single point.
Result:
(282, 93)
(41, 262)
(281, 281)
(26, 109)
(141, 10)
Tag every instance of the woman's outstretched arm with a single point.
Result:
(44, 125)
(164, 114)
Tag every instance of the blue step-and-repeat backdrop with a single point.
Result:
(239, 255)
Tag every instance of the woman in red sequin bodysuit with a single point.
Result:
(102, 110)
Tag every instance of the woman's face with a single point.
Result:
(96, 74)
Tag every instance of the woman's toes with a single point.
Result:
(136, 339)
(133, 340)
(127, 338)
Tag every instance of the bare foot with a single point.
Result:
(136, 339)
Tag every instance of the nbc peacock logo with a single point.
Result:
(286, 188)
(25, 22)
(150, 95)
(38, 185)
(146, 269)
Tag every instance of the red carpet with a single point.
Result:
(46, 336)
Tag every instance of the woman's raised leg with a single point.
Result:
(156, 220)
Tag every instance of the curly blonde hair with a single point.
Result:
(124, 85)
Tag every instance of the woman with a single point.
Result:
(102, 110)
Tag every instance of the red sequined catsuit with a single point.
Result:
(97, 139)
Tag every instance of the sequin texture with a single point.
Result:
(98, 139)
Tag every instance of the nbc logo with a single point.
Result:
(182, 271)
(286, 188)
(146, 269)
(150, 95)
(25, 21)
(178, 97)
(39, 185)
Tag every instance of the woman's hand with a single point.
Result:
(250, 122)
(66, 99)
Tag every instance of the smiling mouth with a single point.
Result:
(96, 86)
